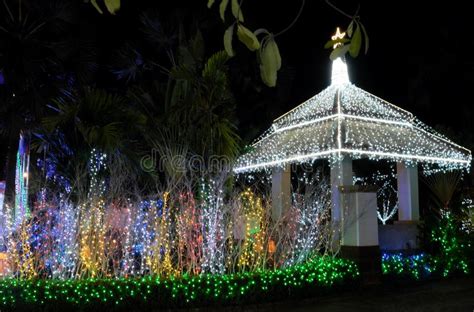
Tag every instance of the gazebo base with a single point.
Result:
(369, 260)
(399, 236)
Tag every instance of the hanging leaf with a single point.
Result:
(248, 38)
(355, 42)
(270, 60)
(350, 28)
(339, 52)
(112, 6)
(228, 40)
(269, 78)
(210, 3)
(236, 11)
(271, 53)
(222, 8)
(331, 43)
(96, 6)
(276, 53)
(366, 38)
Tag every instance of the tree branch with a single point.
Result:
(294, 21)
(341, 11)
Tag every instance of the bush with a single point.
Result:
(417, 266)
(453, 246)
(452, 254)
(150, 293)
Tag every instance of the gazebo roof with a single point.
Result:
(346, 120)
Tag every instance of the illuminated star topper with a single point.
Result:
(337, 36)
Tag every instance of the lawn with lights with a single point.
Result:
(183, 291)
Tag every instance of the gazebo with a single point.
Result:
(343, 123)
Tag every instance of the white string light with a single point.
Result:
(344, 119)
(340, 76)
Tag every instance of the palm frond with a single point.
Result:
(443, 185)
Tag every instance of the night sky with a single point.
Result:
(419, 57)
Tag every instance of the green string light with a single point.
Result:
(185, 291)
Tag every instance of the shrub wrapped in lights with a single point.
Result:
(155, 292)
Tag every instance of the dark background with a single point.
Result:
(419, 57)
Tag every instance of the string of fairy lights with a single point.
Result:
(318, 273)
(254, 239)
(313, 222)
(177, 233)
(196, 243)
(21, 209)
(186, 291)
(346, 120)
(387, 197)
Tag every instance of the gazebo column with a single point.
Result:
(407, 182)
(359, 231)
(341, 174)
(281, 191)
(354, 221)
(402, 234)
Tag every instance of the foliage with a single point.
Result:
(443, 186)
(186, 291)
(34, 46)
(449, 232)
(270, 61)
(86, 119)
(453, 245)
(201, 99)
(417, 266)
(94, 118)
(192, 101)
(268, 54)
(354, 31)
(113, 6)
(452, 257)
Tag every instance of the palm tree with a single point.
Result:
(32, 39)
(92, 118)
(194, 100)
(202, 101)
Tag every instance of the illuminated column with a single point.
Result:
(359, 218)
(407, 180)
(359, 233)
(341, 174)
(281, 191)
